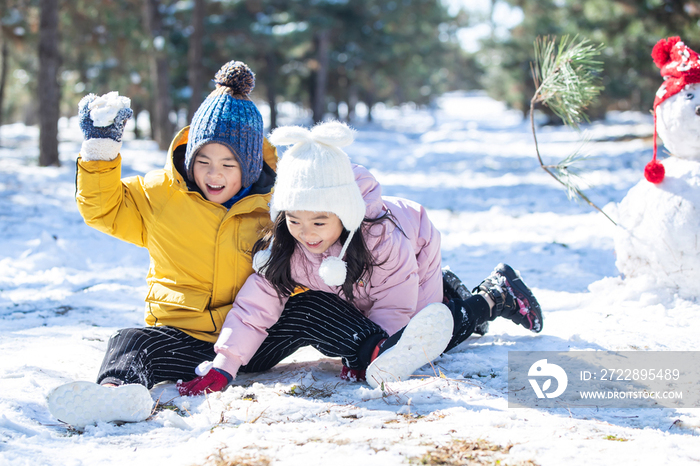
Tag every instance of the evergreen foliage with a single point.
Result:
(566, 74)
(391, 51)
(628, 29)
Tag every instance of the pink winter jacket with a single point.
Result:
(409, 278)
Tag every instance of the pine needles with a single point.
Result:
(567, 79)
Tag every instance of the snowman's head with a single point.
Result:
(676, 117)
(678, 123)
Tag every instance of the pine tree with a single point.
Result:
(162, 128)
(48, 90)
(195, 70)
(4, 61)
(628, 29)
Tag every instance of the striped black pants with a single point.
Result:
(151, 355)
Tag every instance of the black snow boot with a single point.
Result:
(512, 297)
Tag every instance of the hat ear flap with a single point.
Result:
(288, 135)
(333, 133)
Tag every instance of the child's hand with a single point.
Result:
(115, 129)
(213, 381)
(353, 375)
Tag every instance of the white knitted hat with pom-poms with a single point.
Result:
(315, 175)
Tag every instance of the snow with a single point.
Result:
(659, 228)
(104, 109)
(65, 288)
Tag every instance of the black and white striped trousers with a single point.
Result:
(330, 324)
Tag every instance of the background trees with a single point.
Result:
(628, 28)
(47, 85)
(326, 55)
(162, 53)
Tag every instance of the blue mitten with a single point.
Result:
(103, 139)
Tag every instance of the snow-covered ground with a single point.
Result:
(65, 288)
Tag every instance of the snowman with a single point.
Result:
(659, 218)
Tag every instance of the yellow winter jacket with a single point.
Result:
(200, 251)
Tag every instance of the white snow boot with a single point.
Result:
(84, 403)
(424, 338)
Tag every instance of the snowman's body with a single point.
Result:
(659, 234)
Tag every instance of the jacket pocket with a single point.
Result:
(189, 299)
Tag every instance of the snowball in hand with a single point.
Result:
(104, 109)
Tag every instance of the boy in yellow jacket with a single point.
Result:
(198, 217)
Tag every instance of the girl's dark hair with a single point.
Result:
(278, 270)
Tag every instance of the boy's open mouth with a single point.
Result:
(215, 188)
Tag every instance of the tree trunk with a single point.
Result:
(322, 41)
(151, 117)
(137, 109)
(162, 128)
(271, 86)
(352, 101)
(48, 89)
(4, 63)
(195, 69)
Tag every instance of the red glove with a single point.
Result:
(353, 375)
(213, 381)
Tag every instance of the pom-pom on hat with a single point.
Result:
(315, 175)
(679, 67)
(229, 117)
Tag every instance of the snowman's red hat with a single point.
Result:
(680, 66)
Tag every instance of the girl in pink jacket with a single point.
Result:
(352, 273)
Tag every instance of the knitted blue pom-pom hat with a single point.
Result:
(229, 117)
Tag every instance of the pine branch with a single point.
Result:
(566, 77)
(568, 172)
